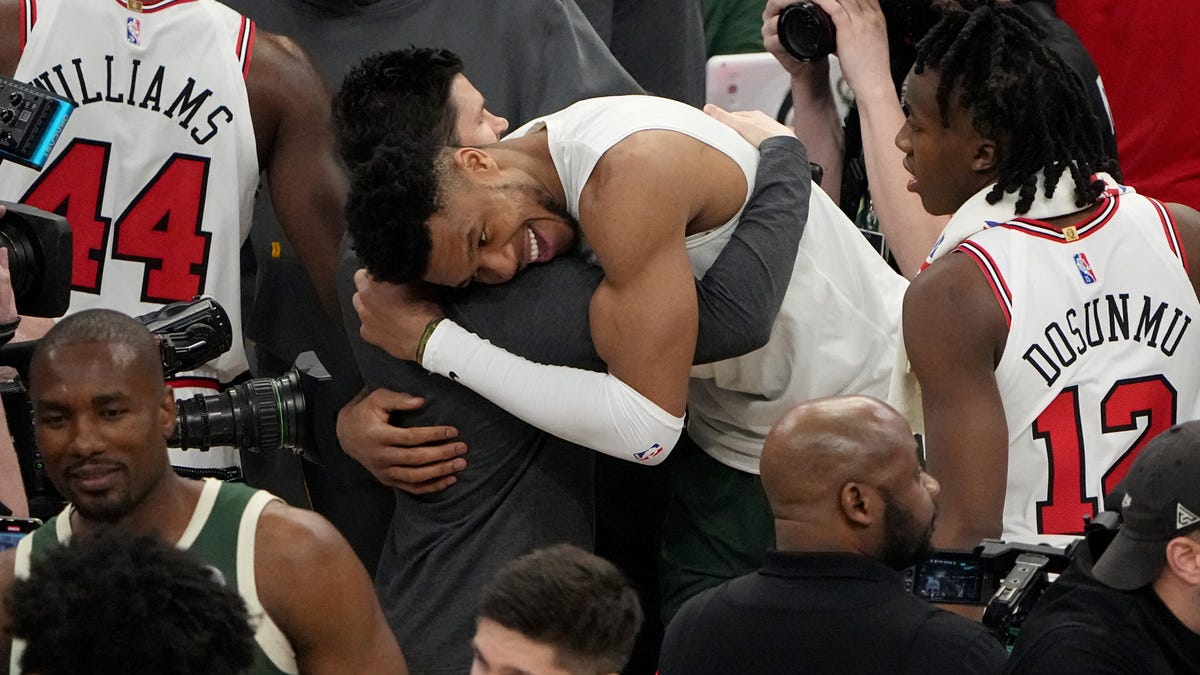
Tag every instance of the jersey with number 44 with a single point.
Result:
(1101, 354)
(156, 169)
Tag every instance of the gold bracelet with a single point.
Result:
(429, 328)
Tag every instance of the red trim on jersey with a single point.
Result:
(151, 7)
(1171, 230)
(993, 276)
(195, 383)
(28, 20)
(245, 44)
(1038, 228)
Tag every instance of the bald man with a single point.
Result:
(852, 508)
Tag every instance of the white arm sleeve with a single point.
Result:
(595, 410)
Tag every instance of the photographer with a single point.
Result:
(852, 507)
(1138, 609)
(875, 44)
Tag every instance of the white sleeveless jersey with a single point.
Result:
(1101, 355)
(157, 167)
(837, 330)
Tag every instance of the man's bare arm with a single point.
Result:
(318, 593)
(815, 115)
(954, 331)
(289, 102)
(862, 48)
(634, 211)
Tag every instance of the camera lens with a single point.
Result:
(262, 415)
(806, 31)
(24, 261)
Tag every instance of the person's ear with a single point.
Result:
(1183, 557)
(860, 503)
(474, 160)
(166, 411)
(986, 156)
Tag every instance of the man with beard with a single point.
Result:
(103, 416)
(655, 187)
(852, 508)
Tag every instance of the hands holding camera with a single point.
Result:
(863, 52)
(857, 33)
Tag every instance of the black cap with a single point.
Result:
(1160, 501)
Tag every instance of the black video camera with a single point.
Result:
(261, 415)
(38, 242)
(39, 259)
(1006, 578)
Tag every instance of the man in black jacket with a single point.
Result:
(852, 507)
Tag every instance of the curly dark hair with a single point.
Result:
(115, 602)
(578, 603)
(1019, 93)
(399, 89)
(392, 195)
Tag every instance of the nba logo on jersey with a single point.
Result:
(133, 30)
(1085, 268)
(649, 453)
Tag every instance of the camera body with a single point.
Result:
(261, 414)
(807, 32)
(1006, 578)
(39, 259)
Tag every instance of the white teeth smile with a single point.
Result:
(533, 247)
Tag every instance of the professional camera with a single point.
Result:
(262, 414)
(1006, 578)
(39, 259)
(806, 31)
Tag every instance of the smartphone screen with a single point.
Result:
(12, 529)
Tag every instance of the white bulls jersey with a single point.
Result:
(1101, 354)
(157, 167)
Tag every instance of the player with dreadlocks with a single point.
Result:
(1050, 331)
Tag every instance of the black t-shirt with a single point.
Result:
(1082, 626)
(822, 613)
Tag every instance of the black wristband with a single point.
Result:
(8, 330)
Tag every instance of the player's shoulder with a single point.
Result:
(945, 284)
(289, 531)
(1187, 225)
(281, 64)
